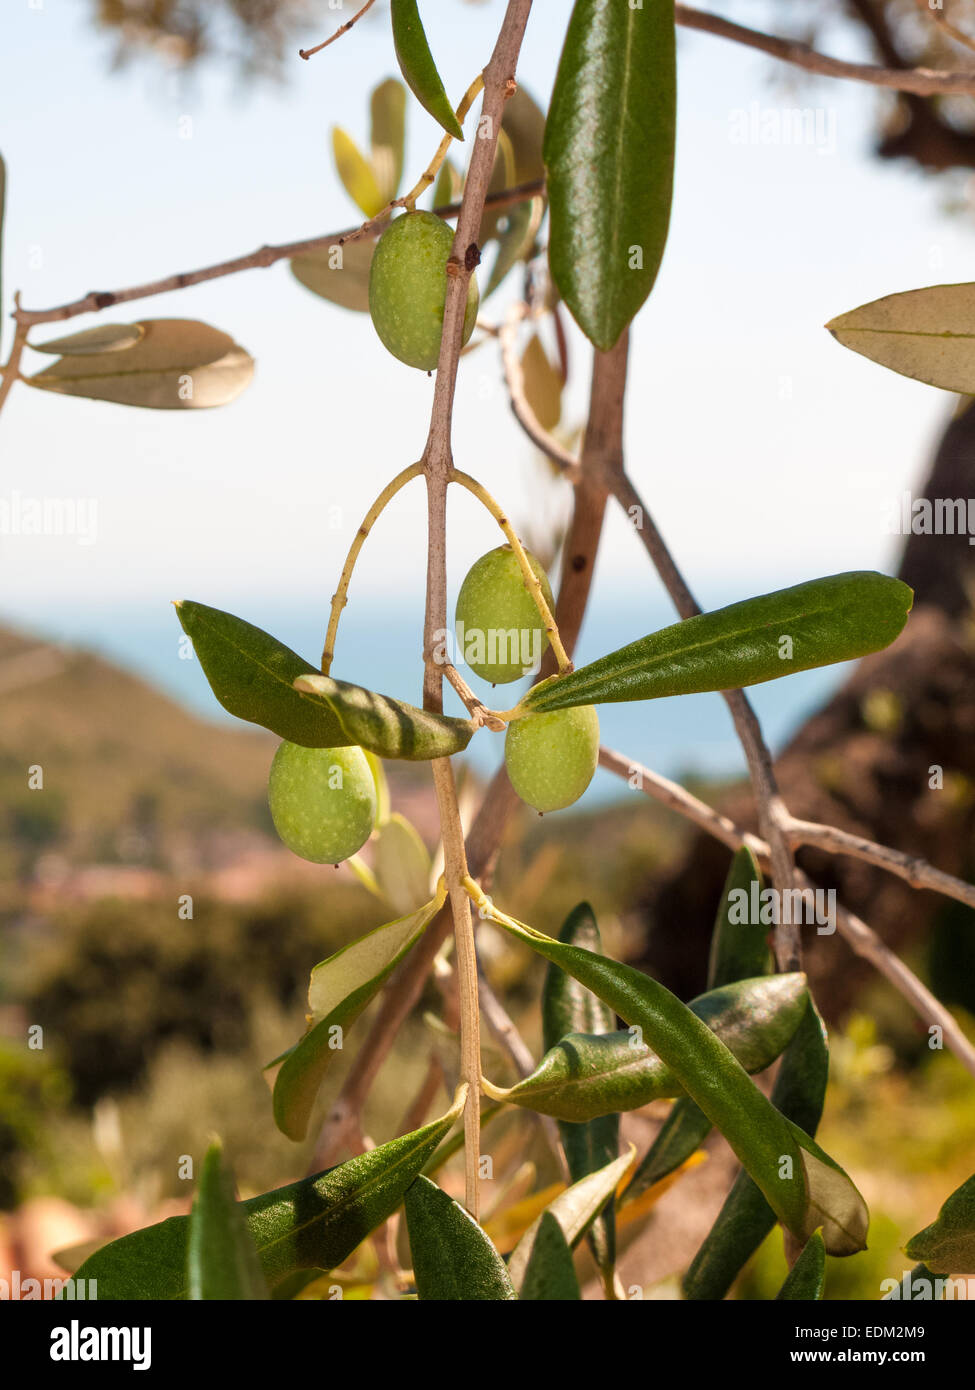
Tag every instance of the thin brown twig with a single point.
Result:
(939, 18)
(342, 29)
(499, 85)
(11, 370)
(921, 81)
(97, 300)
(863, 939)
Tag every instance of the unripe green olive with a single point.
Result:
(499, 631)
(408, 287)
(551, 758)
(323, 801)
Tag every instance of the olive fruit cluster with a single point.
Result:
(408, 288)
(551, 758)
(323, 801)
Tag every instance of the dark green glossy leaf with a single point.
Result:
(588, 1074)
(177, 364)
(417, 66)
(387, 135)
(739, 951)
(746, 1218)
(221, 1259)
(550, 1276)
(575, 1209)
(254, 677)
(609, 152)
(315, 1223)
(798, 1180)
(568, 1007)
(814, 624)
(947, 1246)
(926, 334)
(453, 1257)
(807, 1277)
(341, 987)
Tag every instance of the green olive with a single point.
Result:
(408, 286)
(499, 631)
(323, 801)
(551, 758)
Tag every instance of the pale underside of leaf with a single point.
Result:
(335, 978)
(926, 334)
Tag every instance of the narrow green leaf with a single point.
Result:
(746, 1218)
(341, 987)
(339, 274)
(575, 1209)
(105, 337)
(221, 1258)
(926, 334)
(178, 364)
(254, 676)
(947, 1246)
(568, 1007)
(357, 174)
(388, 727)
(609, 152)
(739, 951)
(814, 624)
(807, 1277)
(402, 864)
(519, 160)
(550, 1275)
(315, 1223)
(453, 1257)
(417, 66)
(587, 1074)
(798, 1180)
(387, 136)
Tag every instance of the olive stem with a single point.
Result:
(531, 579)
(340, 597)
(307, 53)
(476, 708)
(408, 201)
(11, 369)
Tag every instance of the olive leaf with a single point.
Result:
(417, 66)
(568, 1007)
(947, 1246)
(104, 337)
(542, 383)
(312, 1224)
(588, 1075)
(927, 334)
(177, 364)
(746, 1218)
(739, 951)
(550, 1274)
(813, 624)
(387, 136)
(574, 1209)
(807, 1277)
(609, 153)
(221, 1258)
(339, 274)
(453, 1257)
(254, 676)
(340, 988)
(357, 174)
(801, 1183)
(402, 864)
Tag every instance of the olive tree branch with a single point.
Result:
(499, 84)
(96, 301)
(342, 29)
(863, 939)
(923, 82)
(11, 368)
